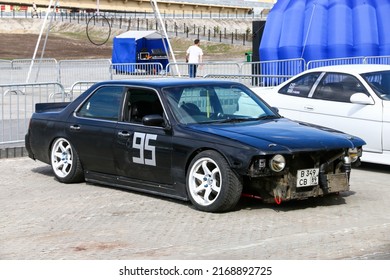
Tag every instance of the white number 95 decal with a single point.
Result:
(141, 143)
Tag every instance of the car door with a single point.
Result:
(379, 84)
(329, 105)
(93, 126)
(143, 152)
(386, 125)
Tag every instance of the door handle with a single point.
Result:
(75, 127)
(308, 108)
(123, 134)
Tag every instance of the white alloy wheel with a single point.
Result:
(212, 185)
(65, 162)
(205, 181)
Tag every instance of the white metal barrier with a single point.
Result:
(18, 103)
(71, 71)
(120, 71)
(252, 80)
(38, 70)
(204, 69)
(78, 88)
(248, 80)
(377, 60)
(277, 71)
(68, 72)
(336, 61)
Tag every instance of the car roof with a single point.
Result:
(167, 82)
(353, 68)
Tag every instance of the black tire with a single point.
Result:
(65, 162)
(211, 184)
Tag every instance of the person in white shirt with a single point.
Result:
(193, 58)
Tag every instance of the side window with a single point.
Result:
(104, 104)
(338, 87)
(140, 103)
(301, 86)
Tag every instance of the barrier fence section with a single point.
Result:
(120, 71)
(377, 60)
(180, 69)
(276, 72)
(18, 103)
(78, 88)
(336, 61)
(67, 72)
(268, 73)
(50, 78)
(248, 80)
(37, 70)
(71, 71)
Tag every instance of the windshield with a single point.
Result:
(379, 82)
(216, 104)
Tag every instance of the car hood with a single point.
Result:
(282, 135)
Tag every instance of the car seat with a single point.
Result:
(190, 108)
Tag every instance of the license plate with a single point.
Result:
(307, 177)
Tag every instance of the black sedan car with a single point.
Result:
(201, 140)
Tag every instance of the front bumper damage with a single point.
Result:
(333, 177)
(330, 183)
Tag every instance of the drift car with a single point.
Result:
(206, 141)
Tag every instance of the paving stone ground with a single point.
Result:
(43, 219)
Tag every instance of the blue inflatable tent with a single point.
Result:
(324, 29)
(140, 47)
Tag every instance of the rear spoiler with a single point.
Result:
(54, 106)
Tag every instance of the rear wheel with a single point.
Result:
(211, 185)
(65, 162)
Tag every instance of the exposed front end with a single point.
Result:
(277, 178)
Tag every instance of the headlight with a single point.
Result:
(354, 154)
(277, 163)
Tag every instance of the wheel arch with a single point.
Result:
(229, 160)
(228, 180)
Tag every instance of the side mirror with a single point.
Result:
(361, 98)
(153, 120)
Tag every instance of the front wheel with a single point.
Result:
(211, 184)
(65, 162)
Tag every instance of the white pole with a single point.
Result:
(45, 42)
(158, 16)
(39, 40)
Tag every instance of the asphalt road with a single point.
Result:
(42, 219)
